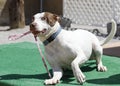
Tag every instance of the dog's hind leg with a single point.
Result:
(98, 57)
(57, 75)
(79, 60)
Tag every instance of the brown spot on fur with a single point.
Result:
(51, 18)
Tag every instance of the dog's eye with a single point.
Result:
(42, 18)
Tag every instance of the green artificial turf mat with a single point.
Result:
(21, 65)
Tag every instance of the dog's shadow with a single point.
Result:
(22, 76)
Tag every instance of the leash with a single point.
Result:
(15, 37)
(38, 46)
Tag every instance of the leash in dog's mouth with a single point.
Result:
(35, 32)
(15, 37)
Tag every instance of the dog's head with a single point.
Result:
(42, 23)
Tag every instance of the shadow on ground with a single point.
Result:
(22, 76)
(5, 84)
(114, 79)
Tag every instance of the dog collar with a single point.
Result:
(52, 37)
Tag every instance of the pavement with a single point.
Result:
(5, 33)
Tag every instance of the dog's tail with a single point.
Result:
(112, 33)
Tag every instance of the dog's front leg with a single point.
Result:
(57, 75)
(79, 60)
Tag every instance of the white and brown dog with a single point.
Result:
(67, 49)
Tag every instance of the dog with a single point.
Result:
(67, 49)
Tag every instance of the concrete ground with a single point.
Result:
(5, 33)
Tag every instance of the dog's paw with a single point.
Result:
(80, 78)
(51, 81)
(102, 68)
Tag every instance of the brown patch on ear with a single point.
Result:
(58, 19)
(51, 18)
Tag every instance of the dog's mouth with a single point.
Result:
(43, 31)
(36, 32)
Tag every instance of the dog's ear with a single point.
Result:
(51, 18)
(56, 17)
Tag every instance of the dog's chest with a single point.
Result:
(57, 54)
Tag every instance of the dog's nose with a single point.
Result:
(33, 25)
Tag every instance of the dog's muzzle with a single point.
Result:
(35, 31)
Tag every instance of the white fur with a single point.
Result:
(69, 50)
